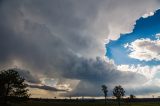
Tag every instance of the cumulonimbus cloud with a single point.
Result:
(62, 38)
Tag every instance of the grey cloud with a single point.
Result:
(144, 90)
(95, 73)
(62, 38)
(45, 87)
(28, 76)
(96, 70)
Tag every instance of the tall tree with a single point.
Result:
(105, 91)
(118, 92)
(132, 96)
(12, 85)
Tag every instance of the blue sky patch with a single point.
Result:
(145, 28)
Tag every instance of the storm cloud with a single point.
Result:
(65, 39)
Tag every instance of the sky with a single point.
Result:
(141, 46)
(72, 47)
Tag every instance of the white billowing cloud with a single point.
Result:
(151, 72)
(150, 86)
(148, 71)
(148, 14)
(158, 35)
(144, 49)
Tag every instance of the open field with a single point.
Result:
(86, 103)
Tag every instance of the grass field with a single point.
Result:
(42, 103)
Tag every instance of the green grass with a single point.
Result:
(38, 103)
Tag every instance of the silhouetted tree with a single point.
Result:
(105, 91)
(132, 96)
(118, 92)
(12, 85)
